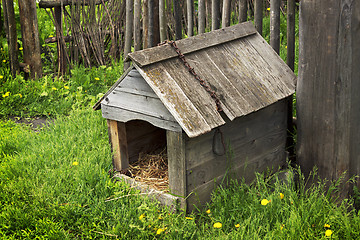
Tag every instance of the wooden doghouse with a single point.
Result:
(158, 102)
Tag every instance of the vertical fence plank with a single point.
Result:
(137, 23)
(162, 20)
(128, 30)
(201, 11)
(177, 16)
(226, 13)
(215, 20)
(190, 17)
(151, 6)
(275, 25)
(291, 34)
(145, 23)
(258, 18)
(243, 8)
(61, 52)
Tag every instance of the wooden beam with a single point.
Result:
(193, 44)
(215, 14)
(128, 30)
(176, 162)
(118, 139)
(258, 18)
(243, 8)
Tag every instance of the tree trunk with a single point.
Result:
(258, 18)
(328, 99)
(215, 7)
(243, 10)
(137, 24)
(202, 13)
(10, 28)
(226, 13)
(30, 37)
(275, 25)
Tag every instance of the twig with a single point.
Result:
(106, 234)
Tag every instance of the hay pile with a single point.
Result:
(151, 169)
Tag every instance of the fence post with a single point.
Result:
(275, 25)
(328, 99)
(215, 8)
(258, 18)
(243, 11)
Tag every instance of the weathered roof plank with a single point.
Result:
(198, 42)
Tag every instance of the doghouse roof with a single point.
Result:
(245, 72)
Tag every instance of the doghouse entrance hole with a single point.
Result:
(147, 154)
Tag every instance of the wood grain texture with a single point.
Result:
(117, 134)
(275, 25)
(201, 41)
(176, 162)
(270, 161)
(327, 102)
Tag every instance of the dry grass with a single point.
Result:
(151, 169)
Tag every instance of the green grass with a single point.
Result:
(54, 185)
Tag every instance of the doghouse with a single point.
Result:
(159, 102)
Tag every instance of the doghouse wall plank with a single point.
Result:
(255, 141)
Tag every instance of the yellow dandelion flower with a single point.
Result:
(6, 94)
(21, 49)
(189, 218)
(208, 211)
(66, 87)
(237, 225)
(75, 163)
(4, 61)
(217, 225)
(285, 46)
(51, 36)
(141, 217)
(265, 202)
(97, 79)
(20, 95)
(160, 230)
(160, 218)
(326, 225)
(292, 202)
(282, 226)
(328, 233)
(268, 9)
(281, 195)
(54, 88)
(1, 76)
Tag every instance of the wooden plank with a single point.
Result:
(278, 66)
(272, 160)
(174, 99)
(137, 25)
(124, 115)
(275, 25)
(215, 14)
(129, 23)
(97, 105)
(258, 16)
(176, 162)
(175, 203)
(117, 135)
(241, 131)
(149, 56)
(244, 153)
(243, 8)
(194, 91)
(290, 56)
(327, 94)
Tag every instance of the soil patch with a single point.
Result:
(36, 123)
